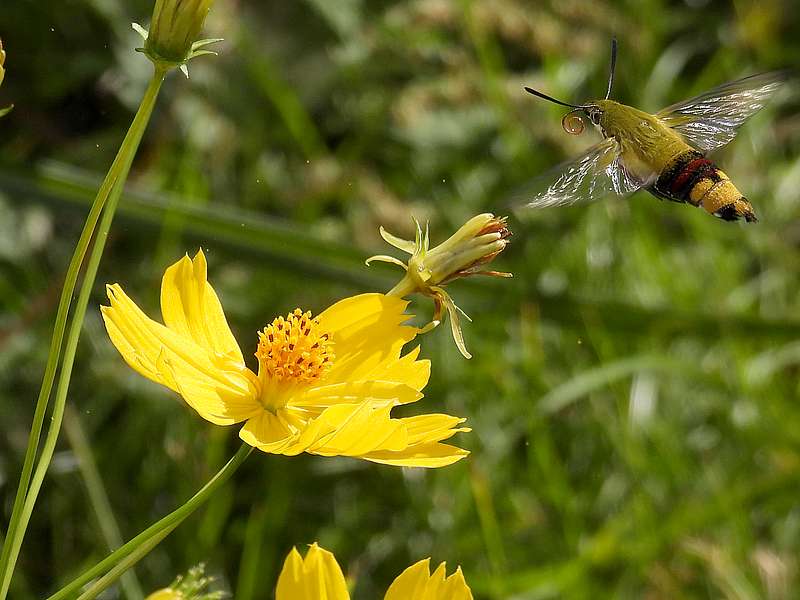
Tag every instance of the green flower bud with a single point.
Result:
(172, 39)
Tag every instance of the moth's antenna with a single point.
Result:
(550, 98)
(613, 66)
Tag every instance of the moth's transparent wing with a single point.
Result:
(597, 173)
(710, 120)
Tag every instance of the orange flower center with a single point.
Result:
(294, 350)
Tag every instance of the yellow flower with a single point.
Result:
(464, 253)
(319, 577)
(325, 385)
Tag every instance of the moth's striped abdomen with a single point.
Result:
(690, 177)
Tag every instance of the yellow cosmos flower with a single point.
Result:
(319, 577)
(325, 385)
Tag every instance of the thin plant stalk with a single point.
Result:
(127, 555)
(127, 152)
(55, 349)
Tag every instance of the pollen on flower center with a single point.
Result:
(294, 350)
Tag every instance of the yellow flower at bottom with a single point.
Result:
(319, 577)
(325, 385)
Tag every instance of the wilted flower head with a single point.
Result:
(325, 385)
(318, 575)
(2, 62)
(464, 253)
(172, 39)
(5, 110)
(192, 586)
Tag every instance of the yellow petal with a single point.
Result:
(356, 430)
(268, 432)
(424, 450)
(190, 307)
(366, 331)
(356, 392)
(431, 456)
(221, 404)
(318, 577)
(220, 390)
(408, 369)
(417, 583)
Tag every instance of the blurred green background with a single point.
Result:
(633, 390)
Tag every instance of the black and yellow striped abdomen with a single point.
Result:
(692, 178)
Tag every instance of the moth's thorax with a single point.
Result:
(640, 134)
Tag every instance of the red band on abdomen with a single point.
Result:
(681, 184)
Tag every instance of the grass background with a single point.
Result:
(633, 390)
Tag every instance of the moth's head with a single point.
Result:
(573, 121)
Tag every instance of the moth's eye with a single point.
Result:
(572, 123)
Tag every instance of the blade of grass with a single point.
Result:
(593, 379)
(97, 496)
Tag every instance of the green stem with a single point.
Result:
(130, 553)
(405, 287)
(115, 180)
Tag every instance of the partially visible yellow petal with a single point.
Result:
(431, 456)
(411, 583)
(318, 577)
(432, 427)
(456, 588)
(417, 583)
(220, 390)
(165, 594)
(190, 307)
